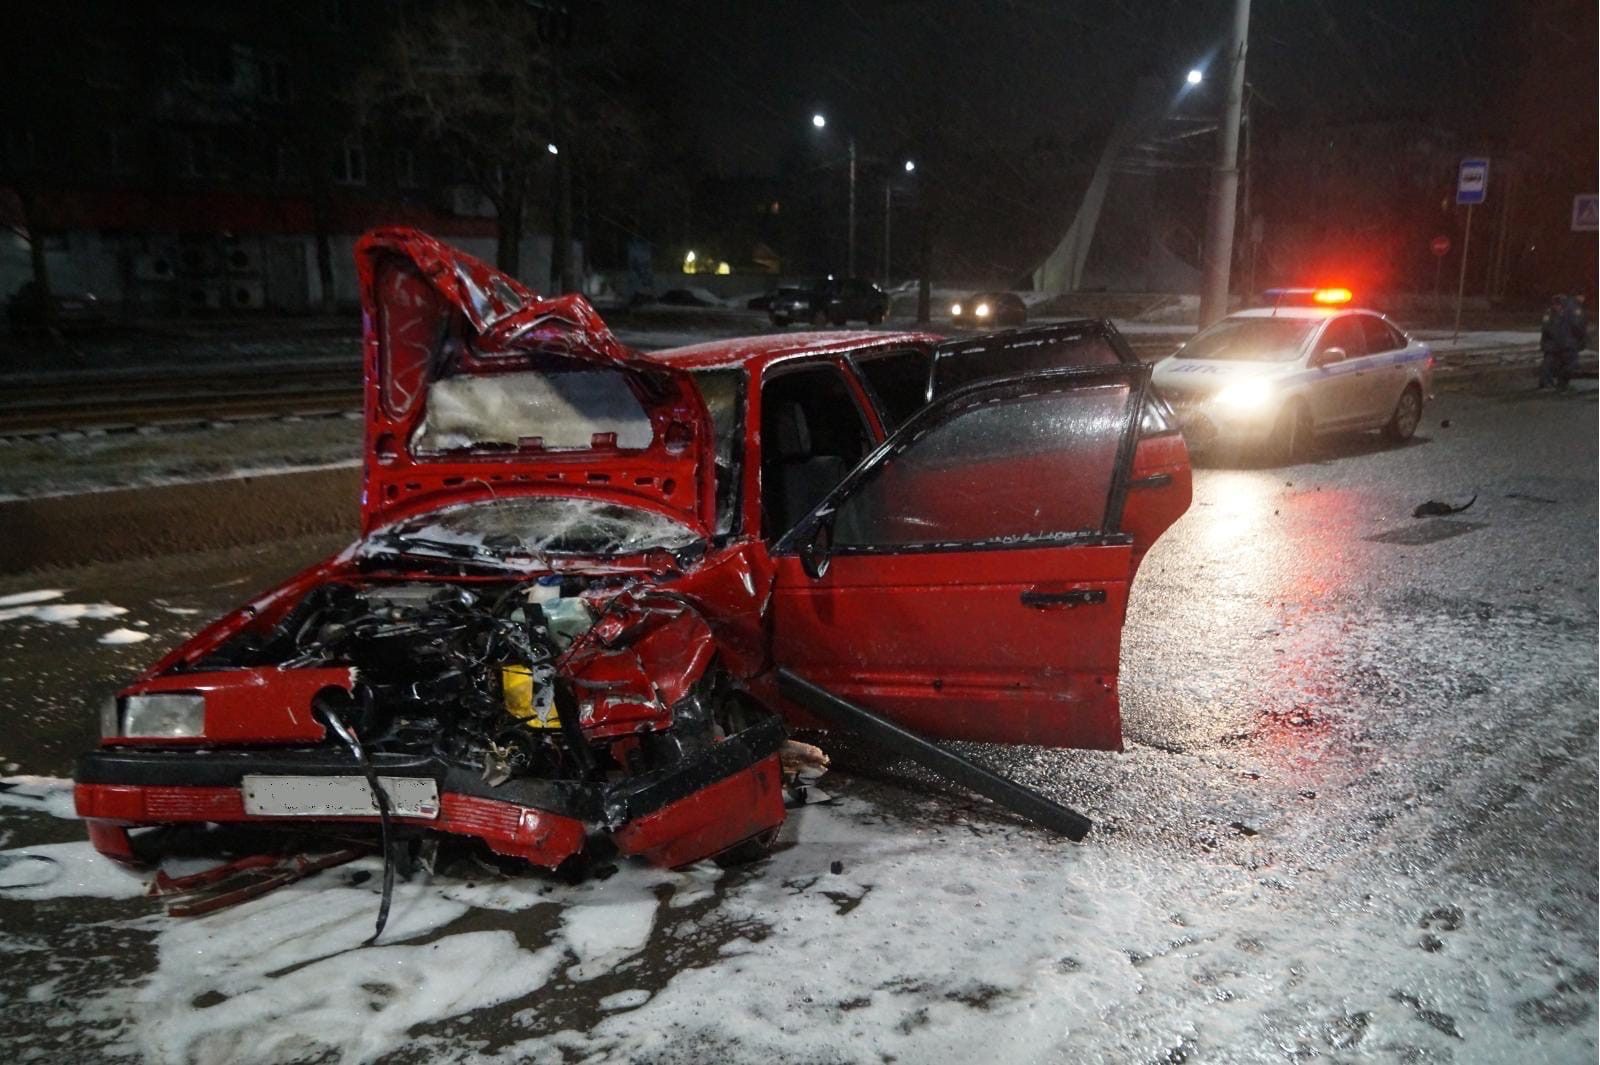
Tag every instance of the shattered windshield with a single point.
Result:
(1250, 340)
(531, 526)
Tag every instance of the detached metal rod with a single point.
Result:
(971, 775)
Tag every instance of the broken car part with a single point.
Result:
(886, 734)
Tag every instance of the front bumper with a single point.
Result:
(703, 805)
(1206, 424)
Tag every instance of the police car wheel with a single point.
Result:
(1290, 434)
(1406, 417)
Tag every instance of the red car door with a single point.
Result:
(969, 578)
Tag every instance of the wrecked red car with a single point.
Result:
(582, 571)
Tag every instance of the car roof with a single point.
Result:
(760, 350)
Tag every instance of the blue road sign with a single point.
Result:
(1472, 180)
(1585, 213)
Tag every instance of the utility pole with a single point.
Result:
(888, 194)
(1225, 179)
(851, 257)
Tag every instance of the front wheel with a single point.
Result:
(1406, 417)
(1291, 434)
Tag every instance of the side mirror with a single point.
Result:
(817, 551)
(1326, 357)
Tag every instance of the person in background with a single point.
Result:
(1578, 327)
(1557, 343)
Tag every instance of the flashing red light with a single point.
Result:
(1328, 296)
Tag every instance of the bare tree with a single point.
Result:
(475, 79)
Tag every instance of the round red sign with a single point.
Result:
(1440, 246)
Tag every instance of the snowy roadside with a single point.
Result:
(952, 940)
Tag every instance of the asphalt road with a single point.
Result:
(1383, 726)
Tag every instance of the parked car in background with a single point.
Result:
(830, 301)
(989, 310)
(1270, 378)
(27, 309)
(580, 569)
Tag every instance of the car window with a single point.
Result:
(1012, 466)
(1380, 337)
(898, 382)
(1249, 340)
(960, 363)
(1344, 333)
(812, 434)
(723, 391)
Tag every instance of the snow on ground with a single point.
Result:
(45, 609)
(951, 942)
(125, 636)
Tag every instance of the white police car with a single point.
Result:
(1272, 377)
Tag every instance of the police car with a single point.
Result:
(1272, 377)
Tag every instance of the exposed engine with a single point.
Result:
(464, 673)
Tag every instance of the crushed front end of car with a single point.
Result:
(523, 646)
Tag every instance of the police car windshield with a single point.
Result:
(1250, 340)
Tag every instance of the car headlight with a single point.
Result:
(1245, 395)
(167, 714)
(981, 310)
(955, 310)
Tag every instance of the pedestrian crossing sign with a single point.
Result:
(1585, 213)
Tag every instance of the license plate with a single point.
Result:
(343, 796)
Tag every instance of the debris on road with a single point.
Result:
(1434, 507)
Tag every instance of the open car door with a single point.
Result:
(968, 579)
(1159, 482)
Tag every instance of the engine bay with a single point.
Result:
(464, 672)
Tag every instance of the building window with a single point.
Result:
(119, 159)
(353, 164)
(286, 165)
(405, 168)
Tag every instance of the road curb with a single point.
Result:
(126, 523)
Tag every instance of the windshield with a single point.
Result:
(1250, 340)
(723, 392)
(531, 526)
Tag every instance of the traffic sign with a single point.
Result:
(1472, 180)
(1585, 213)
(1440, 245)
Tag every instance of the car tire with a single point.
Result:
(1406, 417)
(1291, 434)
(875, 318)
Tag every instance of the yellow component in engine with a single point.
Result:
(529, 698)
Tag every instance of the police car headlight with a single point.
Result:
(1245, 395)
(166, 714)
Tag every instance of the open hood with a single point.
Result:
(476, 388)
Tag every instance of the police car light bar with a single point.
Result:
(1322, 297)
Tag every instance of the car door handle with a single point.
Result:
(1076, 597)
(1155, 480)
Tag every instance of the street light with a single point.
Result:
(888, 205)
(1194, 77)
(820, 121)
(552, 149)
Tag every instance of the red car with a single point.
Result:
(580, 569)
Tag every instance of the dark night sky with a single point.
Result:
(1003, 72)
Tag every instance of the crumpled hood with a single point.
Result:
(477, 388)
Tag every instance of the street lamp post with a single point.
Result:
(820, 121)
(1225, 180)
(888, 207)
